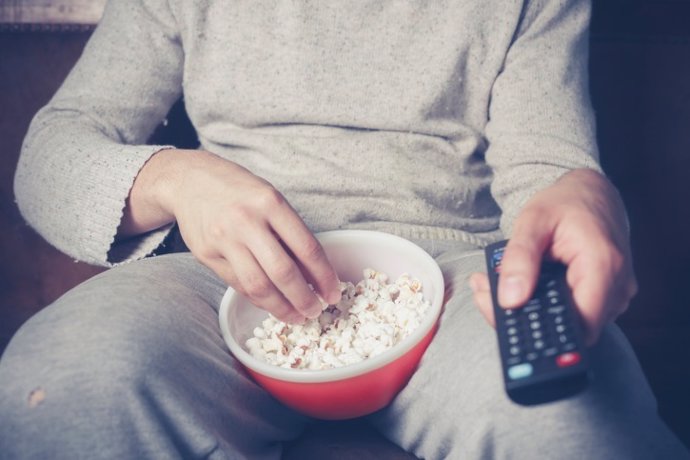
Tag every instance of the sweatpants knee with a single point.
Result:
(107, 353)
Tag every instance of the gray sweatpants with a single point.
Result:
(131, 365)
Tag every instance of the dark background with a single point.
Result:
(640, 86)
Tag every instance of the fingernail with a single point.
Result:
(512, 291)
(314, 311)
(334, 297)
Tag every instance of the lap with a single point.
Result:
(133, 311)
(151, 328)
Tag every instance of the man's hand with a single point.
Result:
(238, 225)
(579, 221)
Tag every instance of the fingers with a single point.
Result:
(590, 294)
(268, 275)
(281, 274)
(307, 252)
(603, 284)
(250, 280)
(245, 230)
(479, 283)
(522, 258)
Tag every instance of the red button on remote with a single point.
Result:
(568, 359)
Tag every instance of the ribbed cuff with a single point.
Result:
(99, 245)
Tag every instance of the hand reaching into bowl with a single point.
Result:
(238, 225)
(366, 385)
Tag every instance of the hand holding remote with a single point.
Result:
(543, 356)
(579, 221)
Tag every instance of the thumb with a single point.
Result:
(521, 262)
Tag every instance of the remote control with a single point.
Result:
(543, 355)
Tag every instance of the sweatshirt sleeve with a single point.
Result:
(541, 124)
(84, 149)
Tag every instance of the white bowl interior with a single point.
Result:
(350, 251)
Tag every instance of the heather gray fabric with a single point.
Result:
(416, 118)
(131, 364)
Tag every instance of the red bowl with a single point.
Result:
(356, 389)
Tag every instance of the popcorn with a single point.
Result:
(371, 317)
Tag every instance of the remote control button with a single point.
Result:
(535, 325)
(520, 371)
(550, 351)
(537, 334)
(568, 346)
(513, 360)
(558, 319)
(539, 344)
(513, 339)
(557, 310)
(531, 308)
(560, 328)
(511, 322)
(568, 359)
(512, 330)
(514, 350)
(532, 356)
(552, 293)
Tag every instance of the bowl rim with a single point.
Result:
(352, 370)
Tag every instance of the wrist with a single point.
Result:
(600, 196)
(590, 179)
(159, 179)
(150, 201)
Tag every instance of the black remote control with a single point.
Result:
(543, 355)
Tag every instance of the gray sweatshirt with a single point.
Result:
(428, 119)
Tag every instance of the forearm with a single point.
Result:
(541, 121)
(71, 184)
(85, 148)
